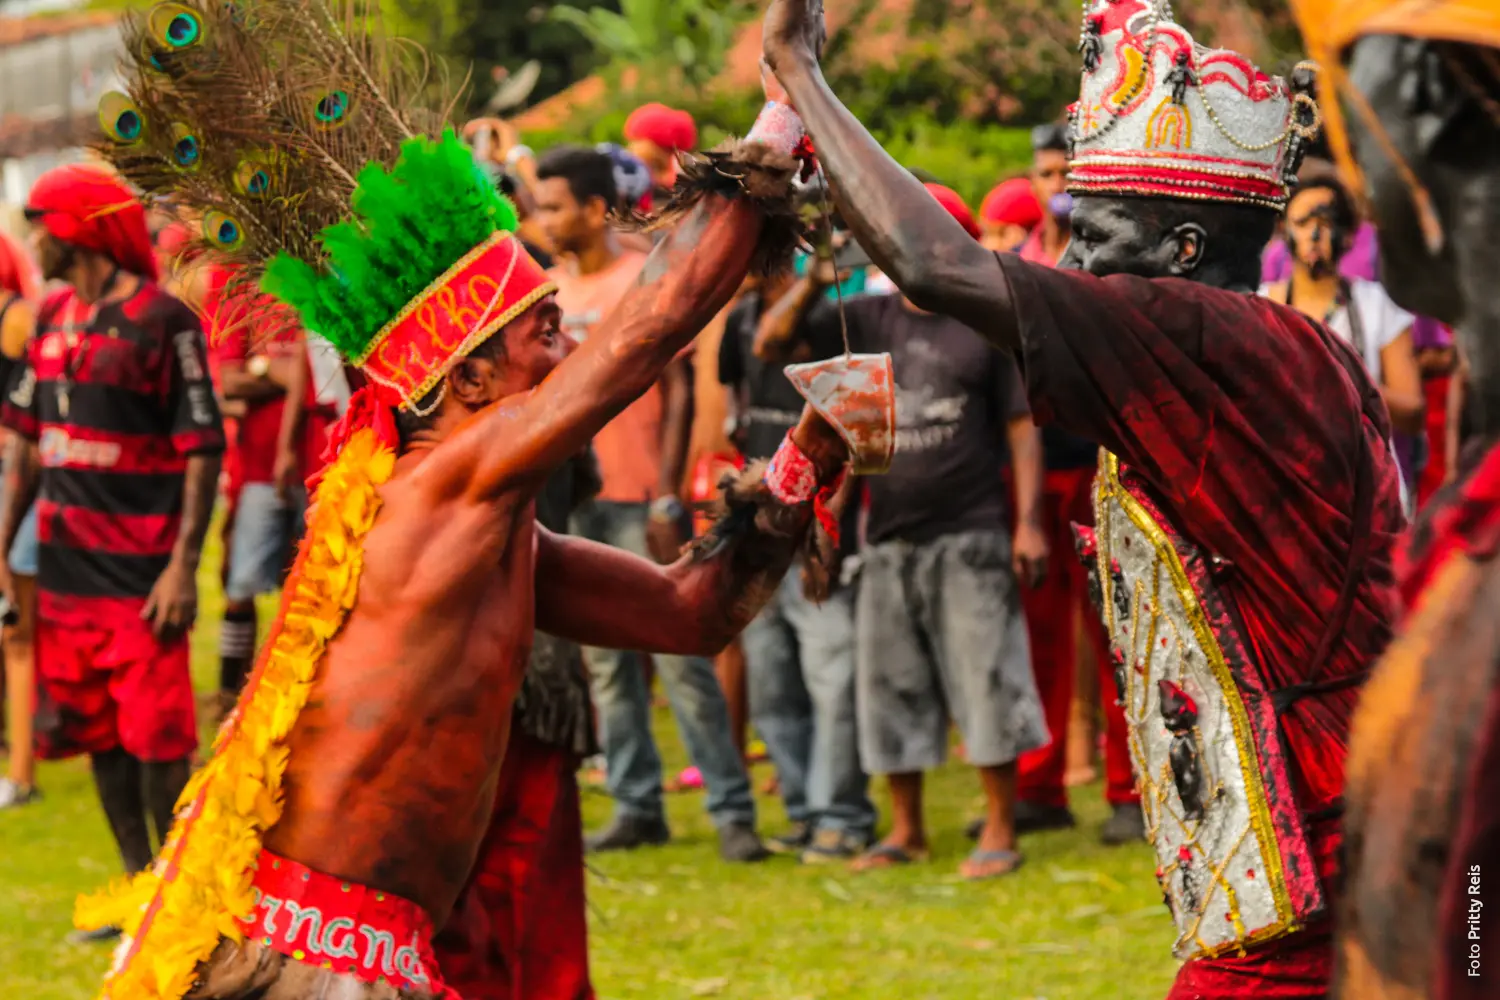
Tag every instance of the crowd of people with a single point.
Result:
(961, 606)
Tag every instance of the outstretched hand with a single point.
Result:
(793, 30)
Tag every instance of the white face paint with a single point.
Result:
(878, 283)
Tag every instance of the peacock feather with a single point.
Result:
(273, 120)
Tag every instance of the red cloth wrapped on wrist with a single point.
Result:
(792, 478)
(822, 511)
(808, 156)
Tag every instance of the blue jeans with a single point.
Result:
(266, 533)
(24, 550)
(623, 702)
(800, 661)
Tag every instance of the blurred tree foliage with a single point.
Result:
(680, 39)
(947, 85)
(500, 35)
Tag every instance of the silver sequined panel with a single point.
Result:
(1213, 870)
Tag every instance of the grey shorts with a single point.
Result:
(940, 639)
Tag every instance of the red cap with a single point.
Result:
(87, 207)
(16, 274)
(667, 127)
(949, 199)
(173, 238)
(1012, 202)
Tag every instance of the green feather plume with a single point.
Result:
(409, 225)
(299, 134)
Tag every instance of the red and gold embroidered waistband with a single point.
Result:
(325, 921)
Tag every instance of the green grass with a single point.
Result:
(1078, 922)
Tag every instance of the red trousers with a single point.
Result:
(519, 931)
(1297, 967)
(1051, 612)
(1435, 390)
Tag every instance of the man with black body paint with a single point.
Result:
(1247, 504)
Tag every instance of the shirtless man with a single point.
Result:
(430, 659)
(392, 762)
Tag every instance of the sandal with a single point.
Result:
(982, 865)
(883, 856)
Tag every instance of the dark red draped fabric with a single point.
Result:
(1247, 421)
(1295, 968)
(519, 930)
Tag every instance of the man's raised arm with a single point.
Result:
(687, 279)
(724, 209)
(603, 596)
(910, 236)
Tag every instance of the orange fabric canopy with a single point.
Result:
(1329, 27)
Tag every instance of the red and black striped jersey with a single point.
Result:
(116, 399)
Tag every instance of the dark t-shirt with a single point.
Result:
(955, 394)
(542, 257)
(773, 405)
(1245, 422)
(1061, 450)
(117, 399)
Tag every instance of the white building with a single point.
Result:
(53, 69)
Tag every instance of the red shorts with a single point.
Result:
(104, 681)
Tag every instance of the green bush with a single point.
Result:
(967, 157)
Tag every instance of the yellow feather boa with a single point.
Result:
(199, 889)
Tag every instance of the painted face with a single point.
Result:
(1108, 238)
(1383, 69)
(1312, 232)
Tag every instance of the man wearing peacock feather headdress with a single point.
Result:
(340, 814)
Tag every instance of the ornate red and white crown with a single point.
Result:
(1161, 115)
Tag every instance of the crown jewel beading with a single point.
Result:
(1160, 115)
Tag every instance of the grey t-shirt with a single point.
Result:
(955, 395)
